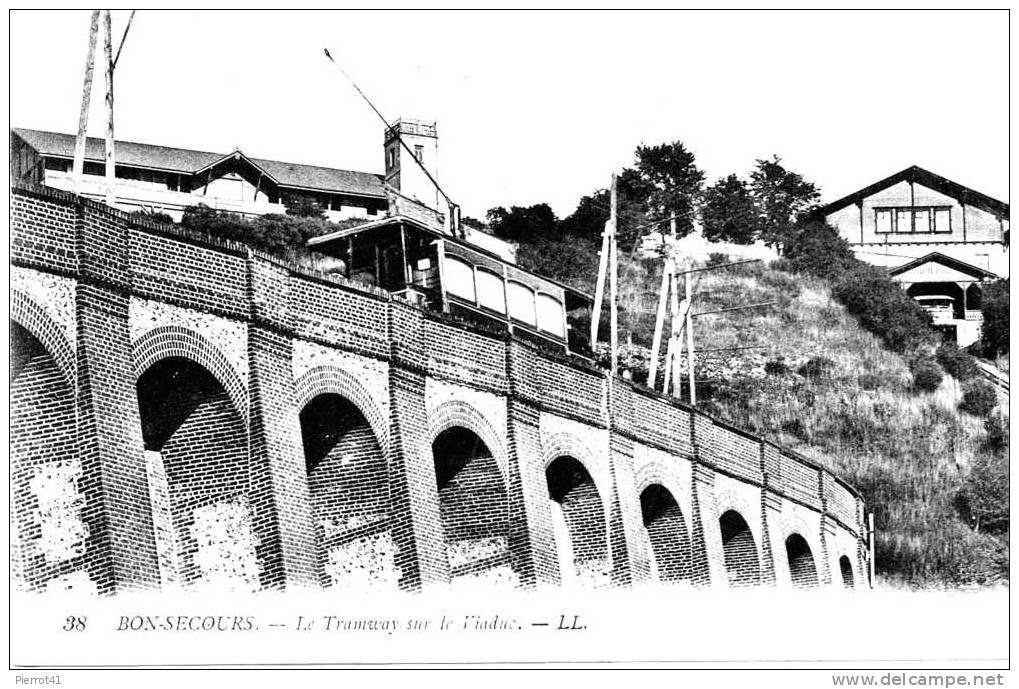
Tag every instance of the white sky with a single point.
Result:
(538, 107)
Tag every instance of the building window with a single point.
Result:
(550, 315)
(903, 220)
(460, 279)
(521, 302)
(419, 153)
(943, 220)
(491, 291)
(913, 220)
(883, 219)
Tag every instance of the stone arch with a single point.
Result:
(668, 533)
(33, 318)
(802, 568)
(196, 449)
(348, 483)
(332, 380)
(48, 530)
(458, 413)
(742, 561)
(846, 569)
(473, 496)
(174, 341)
(579, 522)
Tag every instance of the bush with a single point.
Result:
(281, 235)
(985, 493)
(817, 367)
(956, 362)
(153, 216)
(994, 307)
(979, 398)
(716, 258)
(927, 375)
(776, 367)
(996, 427)
(870, 381)
(883, 308)
(815, 248)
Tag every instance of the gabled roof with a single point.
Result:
(188, 162)
(928, 179)
(944, 260)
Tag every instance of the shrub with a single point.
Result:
(817, 367)
(985, 493)
(153, 216)
(956, 362)
(870, 381)
(994, 307)
(927, 375)
(883, 308)
(979, 398)
(996, 427)
(776, 367)
(716, 258)
(817, 249)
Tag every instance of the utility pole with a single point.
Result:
(689, 339)
(86, 96)
(111, 159)
(663, 297)
(604, 265)
(613, 282)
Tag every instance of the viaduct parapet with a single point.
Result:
(188, 413)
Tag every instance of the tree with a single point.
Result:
(592, 212)
(523, 224)
(672, 182)
(781, 196)
(729, 213)
(994, 307)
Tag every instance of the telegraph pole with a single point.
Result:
(613, 282)
(689, 339)
(663, 297)
(111, 159)
(86, 97)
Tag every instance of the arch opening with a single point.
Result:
(846, 568)
(578, 520)
(741, 560)
(667, 533)
(474, 509)
(349, 487)
(196, 448)
(49, 533)
(802, 569)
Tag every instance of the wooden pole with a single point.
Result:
(599, 287)
(663, 296)
(86, 97)
(670, 355)
(656, 339)
(689, 339)
(614, 282)
(870, 543)
(677, 328)
(111, 158)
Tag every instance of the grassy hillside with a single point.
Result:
(824, 386)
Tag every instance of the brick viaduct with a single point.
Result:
(189, 413)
